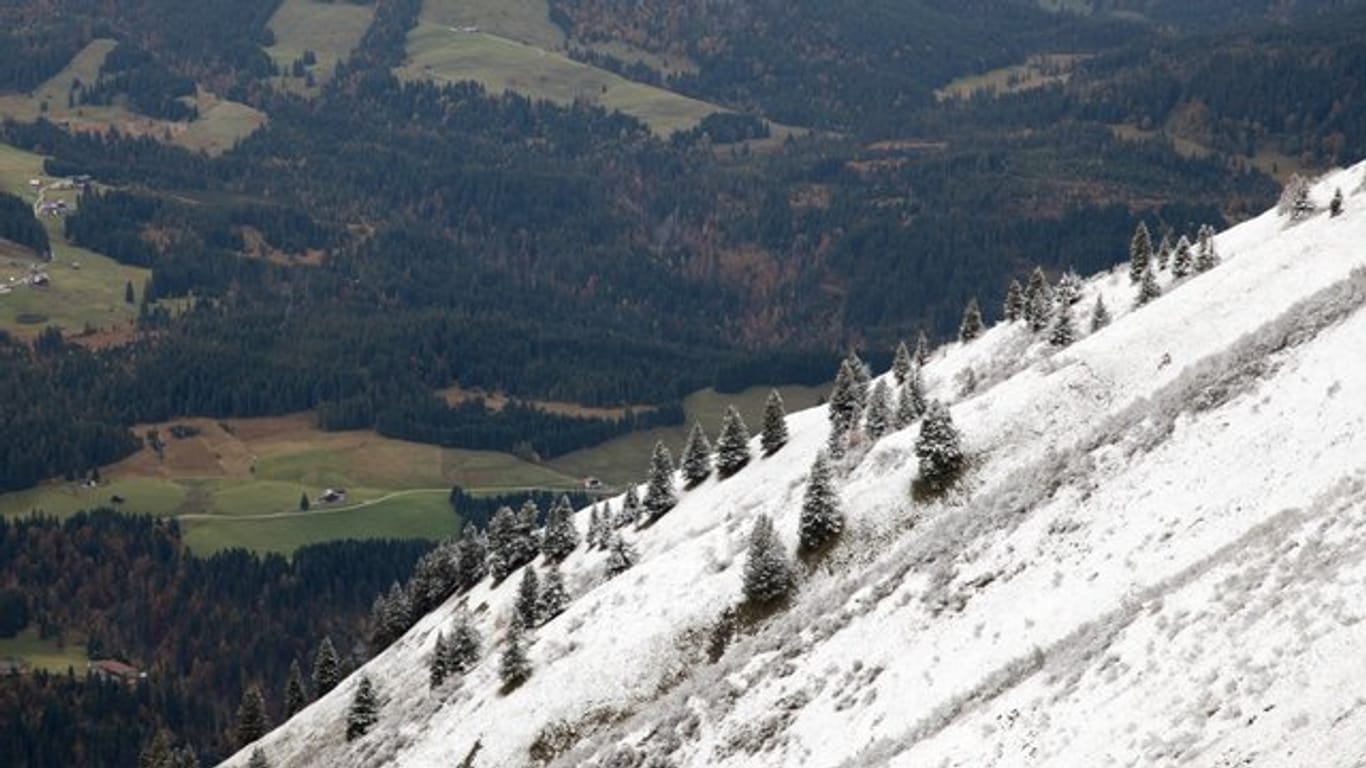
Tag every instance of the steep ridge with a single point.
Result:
(1152, 560)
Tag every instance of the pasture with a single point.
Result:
(330, 30)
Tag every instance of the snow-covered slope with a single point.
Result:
(1157, 557)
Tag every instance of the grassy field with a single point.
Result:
(86, 288)
(44, 654)
(1037, 72)
(445, 54)
(626, 458)
(526, 21)
(330, 30)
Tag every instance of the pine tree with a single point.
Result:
(863, 377)
(1038, 301)
(595, 526)
(768, 572)
(258, 759)
(660, 496)
(157, 753)
(514, 667)
(631, 511)
(971, 327)
(364, 710)
(1063, 332)
(732, 447)
(610, 522)
(1294, 200)
(326, 668)
(303, 502)
(1014, 306)
(1205, 256)
(1068, 291)
(397, 616)
(878, 420)
(561, 536)
(252, 723)
(528, 597)
(901, 364)
(435, 578)
(837, 442)
(939, 448)
(1140, 253)
(922, 348)
(843, 398)
(1100, 316)
(1164, 251)
(462, 646)
(128, 297)
(296, 698)
(775, 435)
(512, 539)
(1182, 260)
(620, 556)
(910, 403)
(437, 668)
(471, 557)
(1147, 290)
(821, 518)
(1335, 207)
(696, 456)
(528, 531)
(554, 596)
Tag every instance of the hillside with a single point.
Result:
(1151, 560)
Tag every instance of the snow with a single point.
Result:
(1156, 557)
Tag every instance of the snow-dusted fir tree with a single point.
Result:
(1335, 207)
(258, 759)
(620, 556)
(1100, 316)
(252, 722)
(821, 519)
(595, 526)
(775, 435)
(502, 543)
(660, 496)
(1068, 290)
(437, 666)
(1164, 250)
(471, 561)
(696, 456)
(922, 348)
(463, 645)
(1014, 306)
(514, 667)
(296, 698)
(327, 670)
(610, 522)
(1294, 201)
(631, 512)
(554, 596)
(1148, 288)
(1140, 252)
(1206, 258)
(1183, 261)
(1038, 301)
(364, 711)
(732, 446)
(939, 448)
(878, 420)
(863, 377)
(844, 400)
(1063, 332)
(768, 570)
(910, 403)
(434, 578)
(528, 529)
(528, 597)
(971, 326)
(901, 363)
(561, 535)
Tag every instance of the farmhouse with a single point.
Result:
(592, 483)
(116, 671)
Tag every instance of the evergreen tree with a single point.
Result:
(1038, 301)
(512, 539)
(1205, 256)
(554, 596)
(971, 327)
(922, 349)
(326, 668)
(732, 447)
(258, 759)
(939, 448)
(910, 403)
(528, 597)
(462, 646)
(303, 502)
(631, 511)
(1335, 207)
(595, 526)
(471, 557)
(843, 399)
(157, 753)
(660, 496)
(1294, 200)
(364, 711)
(128, 297)
(768, 572)
(821, 518)
(437, 667)
(878, 420)
(1014, 307)
(901, 364)
(1182, 259)
(837, 442)
(610, 522)
(696, 456)
(435, 578)
(397, 615)
(252, 723)
(1063, 332)
(528, 531)
(295, 696)
(1164, 251)
(1148, 289)
(620, 556)
(1140, 253)
(514, 667)
(1100, 316)
(1068, 291)
(775, 421)
(863, 377)
(561, 536)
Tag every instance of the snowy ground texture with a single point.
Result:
(1158, 557)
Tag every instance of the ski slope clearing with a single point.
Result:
(1154, 558)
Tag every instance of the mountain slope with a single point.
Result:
(1151, 561)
